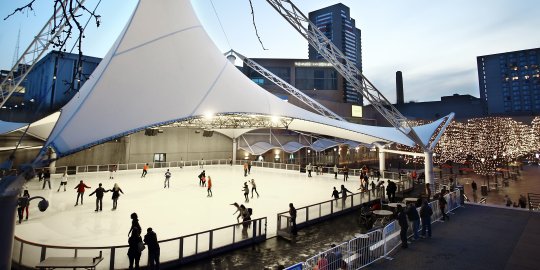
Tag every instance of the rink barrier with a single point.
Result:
(315, 213)
(377, 244)
(395, 176)
(187, 248)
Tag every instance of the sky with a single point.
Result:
(434, 43)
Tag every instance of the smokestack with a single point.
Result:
(399, 88)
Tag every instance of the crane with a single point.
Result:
(345, 67)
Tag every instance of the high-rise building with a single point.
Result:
(510, 82)
(337, 25)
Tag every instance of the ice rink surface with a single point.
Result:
(182, 209)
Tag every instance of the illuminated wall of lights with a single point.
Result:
(484, 143)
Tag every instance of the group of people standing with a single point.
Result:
(137, 245)
(100, 192)
(411, 214)
(203, 183)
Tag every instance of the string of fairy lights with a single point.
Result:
(483, 144)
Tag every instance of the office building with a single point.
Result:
(510, 82)
(337, 25)
(316, 78)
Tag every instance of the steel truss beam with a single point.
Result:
(287, 87)
(344, 66)
(35, 51)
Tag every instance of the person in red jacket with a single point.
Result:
(80, 192)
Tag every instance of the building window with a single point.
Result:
(316, 78)
(160, 157)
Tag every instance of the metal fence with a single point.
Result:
(181, 249)
(374, 245)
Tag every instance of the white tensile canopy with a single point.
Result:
(39, 129)
(164, 68)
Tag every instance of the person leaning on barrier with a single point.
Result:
(150, 239)
(402, 219)
(292, 213)
(425, 215)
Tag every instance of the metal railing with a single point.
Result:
(316, 212)
(176, 250)
(374, 245)
(533, 200)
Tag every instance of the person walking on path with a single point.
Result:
(116, 190)
(474, 188)
(442, 207)
(80, 192)
(47, 178)
(308, 169)
(134, 251)
(345, 173)
(167, 178)
(414, 218)
(201, 175)
(336, 170)
(246, 192)
(402, 220)
(245, 169)
(209, 190)
(150, 239)
(344, 191)
(63, 182)
(292, 213)
(335, 194)
(144, 170)
(99, 197)
(253, 188)
(425, 214)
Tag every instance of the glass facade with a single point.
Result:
(316, 78)
(510, 82)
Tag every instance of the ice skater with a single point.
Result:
(245, 169)
(201, 176)
(99, 197)
(308, 169)
(112, 170)
(116, 190)
(238, 209)
(202, 163)
(167, 178)
(335, 194)
(336, 170)
(144, 170)
(134, 223)
(246, 192)
(344, 191)
(63, 182)
(249, 167)
(253, 188)
(209, 190)
(345, 173)
(47, 178)
(80, 192)
(22, 204)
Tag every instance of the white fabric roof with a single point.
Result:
(39, 129)
(164, 68)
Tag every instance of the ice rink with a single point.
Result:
(182, 209)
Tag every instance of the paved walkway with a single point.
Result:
(476, 237)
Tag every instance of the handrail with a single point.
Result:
(192, 250)
(533, 199)
(377, 244)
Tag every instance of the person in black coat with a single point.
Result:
(425, 214)
(135, 224)
(99, 197)
(335, 194)
(134, 251)
(150, 239)
(402, 219)
(412, 215)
